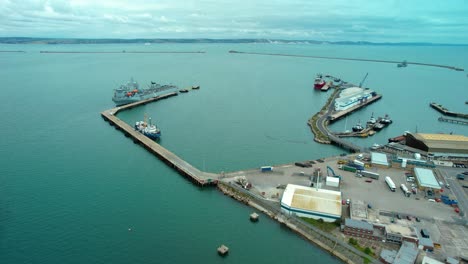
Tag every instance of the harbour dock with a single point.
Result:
(447, 112)
(175, 162)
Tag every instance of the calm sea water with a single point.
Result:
(75, 190)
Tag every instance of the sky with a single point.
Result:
(433, 21)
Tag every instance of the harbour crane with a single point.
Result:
(329, 169)
(365, 77)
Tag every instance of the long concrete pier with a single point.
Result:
(186, 169)
(454, 121)
(350, 59)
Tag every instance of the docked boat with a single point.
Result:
(131, 92)
(378, 126)
(386, 120)
(358, 127)
(337, 80)
(196, 87)
(183, 91)
(319, 83)
(148, 129)
(372, 120)
(375, 146)
(325, 87)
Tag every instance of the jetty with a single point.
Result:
(453, 121)
(447, 112)
(350, 59)
(184, 168)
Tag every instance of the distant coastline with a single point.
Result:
(28, 40)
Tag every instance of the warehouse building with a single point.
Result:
(312, 203)
(426, 179)
(439, 145)
(379, 160)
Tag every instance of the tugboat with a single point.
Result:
(319, 82)
(378, 126)
(372, 120)
(148, 129)
(358, 127)
(386, 120)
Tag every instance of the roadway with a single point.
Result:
(321, 125)
(455, 187)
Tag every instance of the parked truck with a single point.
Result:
(347, 168)
(359, 163)
(390, 183)
(370, 174)
(358, 167)
(405, 190)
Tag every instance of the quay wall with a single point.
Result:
(327, 242)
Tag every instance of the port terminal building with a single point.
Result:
(439, 145)
(311, 202)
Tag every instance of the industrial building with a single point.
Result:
(407, 254)
(379, 160)
(439, 145)
(358, 210)
(311, 202)
(426, 179)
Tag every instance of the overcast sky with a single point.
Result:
(330, 20)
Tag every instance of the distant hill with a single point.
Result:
(24, 40)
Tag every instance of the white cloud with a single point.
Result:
(385, 20)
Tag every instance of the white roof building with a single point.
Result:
(312, 203)
(426, 178)
(379, 159)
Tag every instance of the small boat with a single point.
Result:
(375, 146)
(148, 129)
(319, 83)
(358, 127)
(195, 87)
(386, 120)
(183, 91)
(378, 126)
(337, 80)
(403, 64)
(372, 120)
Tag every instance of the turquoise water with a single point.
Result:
(75, 190)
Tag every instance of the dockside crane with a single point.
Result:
(365, 77)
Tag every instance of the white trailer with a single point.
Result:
(405, 190)
(370, 174)
(390, 183)
(360, 163)
(332, 181)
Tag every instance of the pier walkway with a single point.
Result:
(455, 121)
(183, 167)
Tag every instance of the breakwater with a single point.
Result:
(123, 51)
(351, 59)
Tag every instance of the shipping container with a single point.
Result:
(348, 168)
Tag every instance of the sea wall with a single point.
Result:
(332, 246)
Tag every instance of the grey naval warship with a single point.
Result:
(131, 92)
